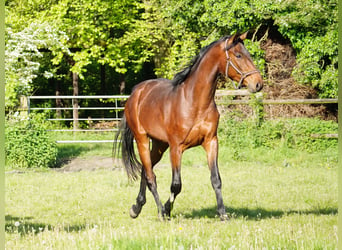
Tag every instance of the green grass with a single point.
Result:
(67, 151)
(277, 199)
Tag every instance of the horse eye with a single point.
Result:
(238, 55)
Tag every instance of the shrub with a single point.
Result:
(27, 143)
(290, 133)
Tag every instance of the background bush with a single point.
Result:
(273, 134)
(27, 143)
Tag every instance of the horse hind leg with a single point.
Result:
(157, 151)
(141, 199)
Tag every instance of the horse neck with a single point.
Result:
(201, 85)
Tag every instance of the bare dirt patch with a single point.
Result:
(88, 164)
(280, 61)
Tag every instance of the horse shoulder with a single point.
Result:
(203, 127)
(208, 121)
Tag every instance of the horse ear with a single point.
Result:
(233, 39)
(243, 36)
(236, 38)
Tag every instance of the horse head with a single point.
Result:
(239, 65)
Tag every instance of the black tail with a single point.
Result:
(124, 138)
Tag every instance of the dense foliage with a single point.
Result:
(28, 144)
(277, 134)
(140, 39)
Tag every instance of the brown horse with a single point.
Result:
(181, 114)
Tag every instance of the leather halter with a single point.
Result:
(242, 74)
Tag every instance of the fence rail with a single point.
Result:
(80, 97)
(26, 103)
(283, 101)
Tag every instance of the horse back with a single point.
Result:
(164, 112)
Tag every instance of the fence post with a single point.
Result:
(24, 106)
(256, 102)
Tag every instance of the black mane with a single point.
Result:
(181, 76)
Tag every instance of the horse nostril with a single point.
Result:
(258, 86)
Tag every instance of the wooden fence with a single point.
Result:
(221, 93)
(28, 106)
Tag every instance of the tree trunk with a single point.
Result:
(103, 79)
(103, 86)
(122, 85)
(58, 101)
(75, 100)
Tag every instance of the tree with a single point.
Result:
(99, 31)
(312, 29)
(22, 58)
(125, 35)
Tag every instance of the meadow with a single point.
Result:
(277, 198)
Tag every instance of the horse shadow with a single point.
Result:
(256, 213)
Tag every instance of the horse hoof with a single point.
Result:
(224, 217)
(132, 213)
(161, 218)
(166, 216)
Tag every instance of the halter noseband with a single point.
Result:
(242, 74)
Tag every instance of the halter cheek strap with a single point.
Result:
(242, 74)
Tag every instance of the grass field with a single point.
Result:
(275, 202)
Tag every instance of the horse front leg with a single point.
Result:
(176, 184)
(211, 147)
